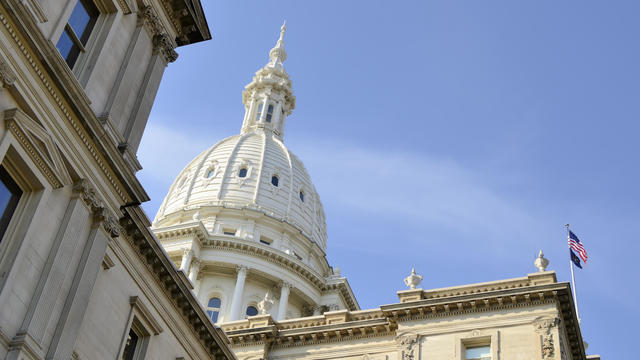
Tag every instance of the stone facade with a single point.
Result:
(79, 270)
(524, 318)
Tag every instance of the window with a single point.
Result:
(131, 345)
(228, 231)
(9, 196)
(269, 113)
(478, 353)
(213, 309)
(301, 195)
(210, 172)
(274, 180)
(77, 31)
(265, 241)
(259, 113)
(252, 310)
(243, 172)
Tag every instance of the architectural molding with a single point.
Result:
(7, 76)
(101, 215)
(162, 43)
(543, 328)
(39, 145)
(137, 232)
(145, 315)
(408, 346)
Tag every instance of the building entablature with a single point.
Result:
(388, 319)
(206, 241)
(240, 212)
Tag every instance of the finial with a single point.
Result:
(413, 280)
(283, 28)
(278, 54)
(541, 262)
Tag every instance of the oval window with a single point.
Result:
(252, 311)
(301, 195)
(243, 172)
(211, 172)
(274, 180)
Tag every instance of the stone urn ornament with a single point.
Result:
(413, 280)
(541, 263)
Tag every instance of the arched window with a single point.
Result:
(252, 310)
(269, 113)
(301, 195)
(259, 113)
(213, 308)
(211, 172)
(274, 180)
(243, 172)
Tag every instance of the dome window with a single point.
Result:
(275, 180)
(259, 113)
(269, 113)
(301, 195)
(252, 310)
(211, 172)
(213, 309)
(243, 172)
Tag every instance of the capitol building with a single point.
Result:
(244, 221)
(233, 266)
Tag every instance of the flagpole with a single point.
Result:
(573, 280)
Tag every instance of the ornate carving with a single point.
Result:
(111, 225)
(541, 262)
(543, 327)
(6, 74)
(101, 215)
(413, 280)
(88, 194)
(266, 304)
(407, 346)
(162, 45)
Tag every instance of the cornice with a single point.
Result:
(388, 318)
(188, 20)
(151, 253)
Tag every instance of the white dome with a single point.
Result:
(213, 179)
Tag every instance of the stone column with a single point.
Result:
(236, 301)
(187, 254)
(195, 269)
(285, 289)
(104, 227)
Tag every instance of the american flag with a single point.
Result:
(576, 245)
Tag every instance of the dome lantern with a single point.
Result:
(268, 98)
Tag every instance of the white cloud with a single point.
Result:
(409, 187)
(397, 186)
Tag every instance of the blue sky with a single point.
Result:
(454, 136)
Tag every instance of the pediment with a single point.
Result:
(40, 146)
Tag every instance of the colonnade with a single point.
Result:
(191, 265)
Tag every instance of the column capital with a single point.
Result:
(284, 284)
(242, 268)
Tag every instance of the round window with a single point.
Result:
(252, 310)
(210, 172)
(274, 180)
(301, 195)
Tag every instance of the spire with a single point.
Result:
(278, 55)
(268, 98)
